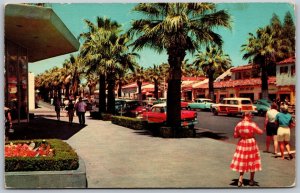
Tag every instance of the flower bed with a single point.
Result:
(40, 155)
(31, 149)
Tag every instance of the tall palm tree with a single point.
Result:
(213, 62)
(263, 48)
(154, 74)
(177, 28)
(94, 44)
(139, 76)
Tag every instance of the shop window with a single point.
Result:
(284, 69)
(293, 70)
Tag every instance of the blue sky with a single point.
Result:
(246, 18)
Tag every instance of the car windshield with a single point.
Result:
(246, 102)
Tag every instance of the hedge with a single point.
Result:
(65, 158)
(129, 122)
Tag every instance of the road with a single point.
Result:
(221, 127)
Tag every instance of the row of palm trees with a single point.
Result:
(107, 56)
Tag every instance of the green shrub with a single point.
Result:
(129, 122)
(65, 158)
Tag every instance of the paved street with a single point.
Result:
(118, 157)
(222, 126)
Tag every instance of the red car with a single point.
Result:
(158, 114)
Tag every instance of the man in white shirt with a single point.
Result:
(80, 110)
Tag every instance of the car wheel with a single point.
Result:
(215, 112)
(189, 108)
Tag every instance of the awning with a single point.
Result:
(39, 30)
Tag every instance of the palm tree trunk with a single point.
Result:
(67, 90)
(175, 59)
(59, 91)
(120, 89)
(156, 89)
(264, 81)
(102, 94)
(210, 73)
(139, 84)
(111, 94)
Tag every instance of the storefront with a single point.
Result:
(32, 33)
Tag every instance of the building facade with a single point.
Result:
(286, 80)
(32, 33)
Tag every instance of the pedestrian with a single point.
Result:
(57, 105)
(278, 102)
(80, 110)
(271, 128)
(8, 123)
(285, 122)
(70, 111)
(246, 157)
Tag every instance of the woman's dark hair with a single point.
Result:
(274, 106)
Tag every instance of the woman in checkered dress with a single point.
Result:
(246, 157)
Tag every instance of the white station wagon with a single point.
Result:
(233, 106)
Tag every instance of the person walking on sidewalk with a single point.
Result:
(271, 128)
(70, 110)
(8, 123)
(80, 110)
(246, 157)
(285, 122)
(57, 105)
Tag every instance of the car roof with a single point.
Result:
(236, 98)
(160, 105)
(202, 99)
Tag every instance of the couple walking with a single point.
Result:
(247, 157)
(80, 108)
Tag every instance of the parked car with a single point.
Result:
(160, 100)
(130, 108)
(233, 106)
(184, 104)
(201, 103)
(158, 114)
(262, 106)
(150, 101)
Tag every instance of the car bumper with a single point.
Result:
(188, 123)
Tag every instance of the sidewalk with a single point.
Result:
(119, 157)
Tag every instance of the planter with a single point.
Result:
(48, 179)
(166, 132)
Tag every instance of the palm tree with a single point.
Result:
(154, 74)
(263, 49)
(91, 50)
(177, 28)
(213, 62)
(139, 76)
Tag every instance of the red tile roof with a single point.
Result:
(236, 83)
(290, 60)
(184, 78)
(242, 68)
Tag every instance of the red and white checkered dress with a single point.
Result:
(246, 157)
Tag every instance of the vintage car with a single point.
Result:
(200, 103)
(158, 114)
(134, 108)
(262, 106)
(233, 106)
(160, 100)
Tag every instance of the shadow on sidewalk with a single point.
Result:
(199, 134)
(42, 128)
